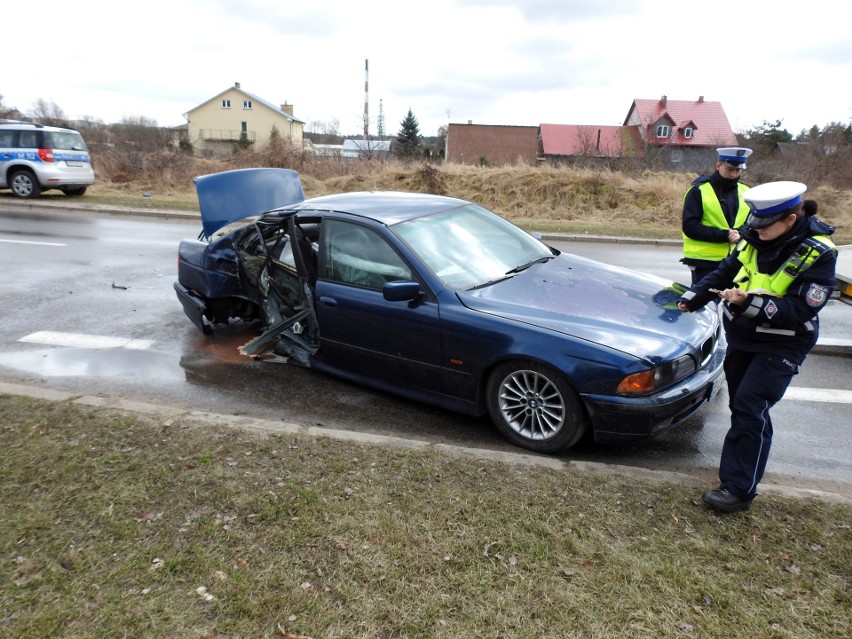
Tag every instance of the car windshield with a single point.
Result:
(470, 246)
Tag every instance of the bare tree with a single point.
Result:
(141, 133)
(49, 113)
(9, 112)
(331, 127)
(94, 131)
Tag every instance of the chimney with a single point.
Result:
(700, 99)
(663, 101)
(236, 85)
(287, 108)
(470, 121)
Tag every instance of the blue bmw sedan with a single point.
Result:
(440, 300)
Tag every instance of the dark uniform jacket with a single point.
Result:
(791, 320)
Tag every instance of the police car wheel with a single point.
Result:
(534, 407)
(24, 184)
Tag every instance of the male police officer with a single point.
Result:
(713, 212)
(773, 284)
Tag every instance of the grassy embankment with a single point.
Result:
(120, 525)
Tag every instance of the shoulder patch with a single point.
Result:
(816, 295)
(770, 309)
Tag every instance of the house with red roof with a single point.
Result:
(565, 141)
(681, 135)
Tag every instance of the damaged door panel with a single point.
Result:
(280, 263)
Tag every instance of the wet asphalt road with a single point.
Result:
(111, 276)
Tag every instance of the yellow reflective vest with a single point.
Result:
(749, 278)
(715, 217)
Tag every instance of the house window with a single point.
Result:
(663, 130)
(687, 132)
(244, 127)
(677, 156)
(226, 104)
(246, 104)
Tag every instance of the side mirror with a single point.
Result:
(401, 291)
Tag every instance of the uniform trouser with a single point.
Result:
(756, 382)
(698, 272)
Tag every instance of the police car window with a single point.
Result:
(29, 140)
(6, 138)
(66, 141)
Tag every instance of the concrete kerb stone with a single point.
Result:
(516, 458)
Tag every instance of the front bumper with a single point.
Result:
(625, 419)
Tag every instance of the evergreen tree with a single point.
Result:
(768, 134)
(407, 143)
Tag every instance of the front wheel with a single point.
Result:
(534, 407)
(24, 184)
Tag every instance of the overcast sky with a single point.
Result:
(513, 62)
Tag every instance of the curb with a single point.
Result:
(293, 428)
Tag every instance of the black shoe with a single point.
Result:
(721, 499)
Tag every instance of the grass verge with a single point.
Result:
(127, 525)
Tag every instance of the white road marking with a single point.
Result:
(833, 395)
(37, 243)
(80, 340)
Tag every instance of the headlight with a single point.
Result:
(656, 379)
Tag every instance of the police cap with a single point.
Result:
(771, 202)
(734, 156)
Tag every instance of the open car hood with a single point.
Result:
(626, 310)
(233, 195)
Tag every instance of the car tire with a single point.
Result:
(534, 407)
(24, 184)
(75, 191)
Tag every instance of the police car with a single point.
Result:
(35, 158)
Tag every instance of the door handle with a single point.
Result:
(330, 302)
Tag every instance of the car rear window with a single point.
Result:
(64, 140)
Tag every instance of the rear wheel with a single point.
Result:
(75, 191)
(534, 407)
(24, 184)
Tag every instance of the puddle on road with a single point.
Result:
(202, 354)
(219, 349)
(89, 362)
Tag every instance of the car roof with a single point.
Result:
(387, 207)
(32, 125)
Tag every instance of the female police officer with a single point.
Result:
(773, 284)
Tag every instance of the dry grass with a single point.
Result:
(113, 525)
(543, 198)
